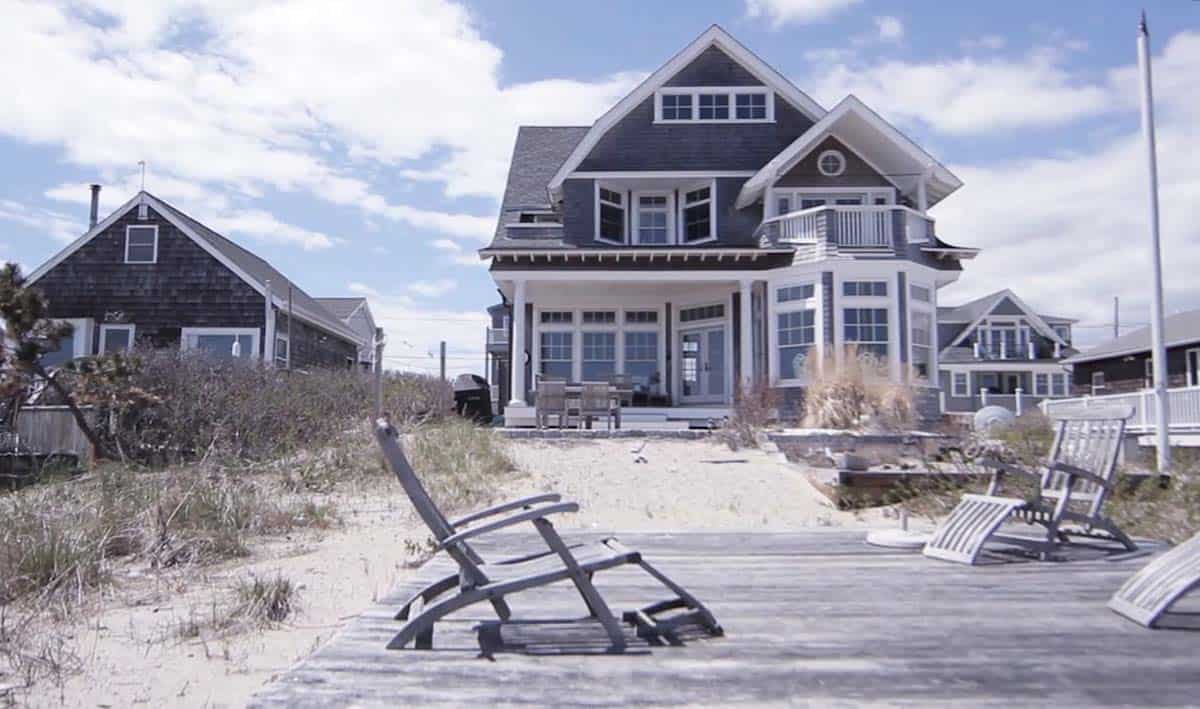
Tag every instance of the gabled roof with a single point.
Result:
(893, 154)
(343, 308)
(713, 36)
(537, 153)
(250, 268)
(1178, 330)
(973, 312)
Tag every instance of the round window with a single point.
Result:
(831, 163)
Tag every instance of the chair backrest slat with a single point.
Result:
(595, 396)
(426, 508)
(551, 395)
(1090, 440)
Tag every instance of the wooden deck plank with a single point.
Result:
(816, 617)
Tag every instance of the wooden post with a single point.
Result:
(289, 328)
(268, 348)
(379, 342)
(442, 360)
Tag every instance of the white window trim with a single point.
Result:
(577, 327)
(130, 327)
(82, 345)
(254, 332)
(726, 322)
(287, 360)
(624, 213)
(130, 227)
(712, 213)
(834, 153)
(1189, 357)
(775, 308)
(795, 194)
(697, 91)
(1097, 388)
(672, 234)
(955, 391)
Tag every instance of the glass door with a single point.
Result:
(702, 365)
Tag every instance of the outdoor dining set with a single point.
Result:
(583, 402)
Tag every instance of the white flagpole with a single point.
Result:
(1162, 417)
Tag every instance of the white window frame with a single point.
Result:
(129, 327)
(697, 91)
(955, 391)
(624, 213)
(888, 314)
(669, 209)
(827, 195)
(287, 360)
(712, 212)
(254, 332)
(776, 308)
(724, 321)
(1191, 358)
(577, 327)
(831, 153)
(1099, 382)
(1057, 378)
(131, 227)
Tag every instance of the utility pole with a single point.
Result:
(1162, 412)
(380, 338)
(289, 328)
(442, 360)
(1116, 316)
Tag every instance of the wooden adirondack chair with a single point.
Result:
(551, 401)
(478, 580)
(595, 401)
(1149, 594)
(1074, 484)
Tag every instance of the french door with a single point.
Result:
(702, 365)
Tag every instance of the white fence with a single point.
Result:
(864, 226)
(1183, 406)
(851, 226)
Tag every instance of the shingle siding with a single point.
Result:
(186, 287)
(858, 173)
(311, 347)
(714, 68)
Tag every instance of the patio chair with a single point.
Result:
(477, 580)
(1073, 484)
(596, 400)
(551, 401)
(623, 384)
(1149, 594)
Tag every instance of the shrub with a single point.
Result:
(459, 463)
(753, 408)
(855, 393)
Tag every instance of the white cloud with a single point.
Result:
(414, 333)
(247, 105)
(61, 227)
(1070, 232)
(446, 245)
(798, 12)
(989, 42)
(891, 29)
(431, 289)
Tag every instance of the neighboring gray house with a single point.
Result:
(996, 346)
(717, 227)
(1122, 365)
(356, 313)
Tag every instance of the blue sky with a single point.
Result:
(365, 152)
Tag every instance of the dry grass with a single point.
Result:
(855, 393)
(753, 409)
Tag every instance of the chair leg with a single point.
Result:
(427, 594)
(421, 627)
(600, 610)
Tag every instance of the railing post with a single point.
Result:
(1032, 350)
(1145, 406)
(941, 401)
(1003, 349)
(977, 348)
(1020, 407)
(983, 396)
(1057, 350)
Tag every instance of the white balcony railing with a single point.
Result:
(847, 226)
(497, 336)
(1183, 407)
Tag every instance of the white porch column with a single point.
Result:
(517, 349)
(746, 336)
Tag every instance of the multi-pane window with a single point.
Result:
(599, 356)
(867, 328)
(1097, 382)
(697, 214)
(751, 107)
(920, 293)
(793, 293)
(652, 213)
(116, 338)
(641, 316)
(704, 312)
(714, 107)
(960, 384)
(556, 353)
(281, 351)
(922, 343)
(783, 205)
(1050, 384)
(1059, 384)
(557, 317)
(641, 358)
(612, 215)
(141, 244)
(797, 333)
(677, 107)
(599, 317)
(865, 288)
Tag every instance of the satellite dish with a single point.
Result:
(990, 419)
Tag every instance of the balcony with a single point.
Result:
(851, 227)
(1003, 351)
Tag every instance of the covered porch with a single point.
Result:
(682, 340)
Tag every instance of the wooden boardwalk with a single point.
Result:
(811, 618)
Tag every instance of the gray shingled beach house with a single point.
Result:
(716, 226)
(152, 275)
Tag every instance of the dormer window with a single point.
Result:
(698, 215)
(141, 244)
(610, 215)
(676, 104)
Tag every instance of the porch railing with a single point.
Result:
(497, 336)
(847, 226)
(1183, 407)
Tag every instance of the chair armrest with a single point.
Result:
(505, 507)
(535, 513)
(1074, 472)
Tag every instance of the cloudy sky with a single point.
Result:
(364, 150)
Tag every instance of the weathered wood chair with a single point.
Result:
(1074, 484)
(478, 581)
(622, 385)
(1149, 594)
(551, 401)
(596, 400)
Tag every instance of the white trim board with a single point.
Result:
(1034, 319)
(713, 36)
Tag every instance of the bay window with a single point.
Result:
(866, 329)
(922, 343)
(795, 315)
